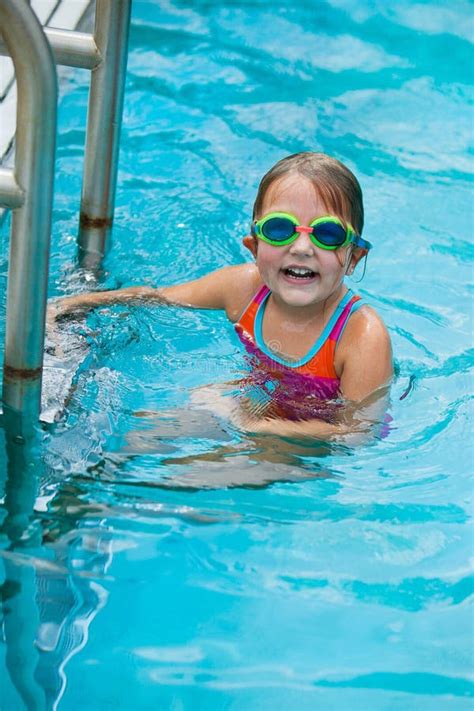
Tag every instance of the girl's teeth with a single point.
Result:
(301, 273)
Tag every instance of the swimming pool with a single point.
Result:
(182, 565)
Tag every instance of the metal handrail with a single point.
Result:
(27, 189)
(70, 48)
(104, 52)
(104, 120)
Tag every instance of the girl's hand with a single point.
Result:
(253, 425)
(249, 423)
(357, 432)
(52, 312)
(53, 341)
(55, 312)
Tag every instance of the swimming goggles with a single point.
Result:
(328, 232)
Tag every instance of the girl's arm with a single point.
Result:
(364, 356)
(225, 288)
(357, 424)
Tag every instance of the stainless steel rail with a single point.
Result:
(104, 52)
(104, 121)
(71, 48)
(28, 188)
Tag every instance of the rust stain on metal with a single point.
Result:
(21, 373)
(97, 222)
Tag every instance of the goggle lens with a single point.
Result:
(278, 229)
(330, 234)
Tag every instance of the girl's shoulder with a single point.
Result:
(243, 283)
(364, 323)
(365, 333)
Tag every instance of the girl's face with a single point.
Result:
(322, 280)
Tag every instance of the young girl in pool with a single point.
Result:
(321, 358)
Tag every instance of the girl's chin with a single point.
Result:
(299, 298)
(299, 289)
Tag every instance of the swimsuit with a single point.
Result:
(300, 390)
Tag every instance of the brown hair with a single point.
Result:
(337, 185)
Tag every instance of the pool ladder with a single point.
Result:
(27, 189)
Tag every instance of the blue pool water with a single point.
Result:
(176, 563)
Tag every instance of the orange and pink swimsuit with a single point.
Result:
(300, 390)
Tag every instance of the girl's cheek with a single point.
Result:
(263, 266)
(337, 260)
(267, 256)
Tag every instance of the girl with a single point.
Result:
(321, 359)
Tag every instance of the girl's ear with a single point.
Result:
(356, 255)
(251, 243)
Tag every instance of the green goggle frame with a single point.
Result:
(327, 232)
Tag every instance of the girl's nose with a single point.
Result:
(303, 244)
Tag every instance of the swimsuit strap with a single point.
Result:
(246, 321)
(260, 295)
(352, 304)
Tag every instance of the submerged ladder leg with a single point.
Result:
(104, 121)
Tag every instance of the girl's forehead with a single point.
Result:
(292, 191)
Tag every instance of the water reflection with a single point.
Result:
(56, 549)
(46, 610)
(196, 450)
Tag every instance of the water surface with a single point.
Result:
(174, 562)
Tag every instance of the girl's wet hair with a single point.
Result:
(335, 184)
